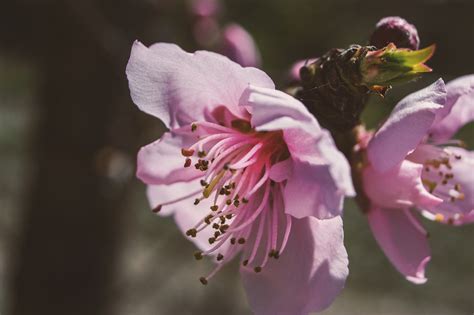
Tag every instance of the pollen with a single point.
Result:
(439, 217)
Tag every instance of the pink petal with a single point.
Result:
(307, 277)
(239, 46)
(321, 174)
(164, 194)
(406, 126)
(399, 187)
(403, 241)
(161, 162)
(320, 179)
(177, 86)
(281, 171)
(460, 102)
(275, 110)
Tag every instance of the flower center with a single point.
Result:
(437, 175)
(245, 205)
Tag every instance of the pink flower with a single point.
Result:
(239, 46)
(245, 170)
(413, 164)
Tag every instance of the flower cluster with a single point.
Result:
(248, 172)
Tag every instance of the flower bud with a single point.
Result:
(394, 29)
(205, 8)
(336, 86)
(392, 65)
(239, 46)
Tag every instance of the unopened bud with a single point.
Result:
(394, 29)
(239, 46)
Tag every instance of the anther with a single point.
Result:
(219, 257)
(157, 209)
(226, 166)
(244, 200)
(193, 127)
(187, 163)
(257, 269)
(228, 202)
(439, 217)
(198, 255)
(232, 241)
(215, 226)
(241, 240)
(228, 216)
(214, 207)
(203, 183)
(236, 203)
(245, 262)
(274, 253)
(196, 201)
(211, 240)
(203, 280)
(187, 152)
(222, 218)
(217, 234)
(223, 228)
(208, 219)
(201, 154)
(191, 232)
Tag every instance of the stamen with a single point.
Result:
(236, 162)
(187, 152)
(187, 162)
(157, 209)
(207, 191)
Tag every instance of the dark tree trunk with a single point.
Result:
(68, 248)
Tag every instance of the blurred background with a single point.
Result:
(76, 233)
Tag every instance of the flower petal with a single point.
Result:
(275, 110)
(399, 187)
(321, 174)
(183, 192)
(406, 126)
(161, 162)
(307, 277)
(403, 240)
(177, 86)
(460, 102)
(281, 171)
